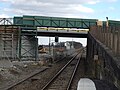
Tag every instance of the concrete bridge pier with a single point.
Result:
(90, 55)
(95, 59)
(102, 62)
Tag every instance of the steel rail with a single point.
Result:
(74, 72)
(25, 79)
(12, 86)
(58, 73)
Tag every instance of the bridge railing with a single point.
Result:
(109, 36)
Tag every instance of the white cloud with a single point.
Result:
(48, 8)
(112, 0)
(94, 2)
(4, 16)
(81, 8)
(116, 19)
(111, 8)
(60, 8)
(5, 0)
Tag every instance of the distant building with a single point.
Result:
(60, 46)
(67, 44)
(73, 44)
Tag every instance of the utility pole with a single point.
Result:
(49, 46)
(107, 22)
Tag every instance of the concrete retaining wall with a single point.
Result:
(106, 66)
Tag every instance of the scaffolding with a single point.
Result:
(17, 42)
(8, 39)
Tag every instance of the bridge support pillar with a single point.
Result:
(28, 47)
(94, 59)
(90, 56)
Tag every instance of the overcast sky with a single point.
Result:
(97, 9)
(93, 9)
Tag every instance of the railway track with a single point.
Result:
(63, 79)
(21, 85)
